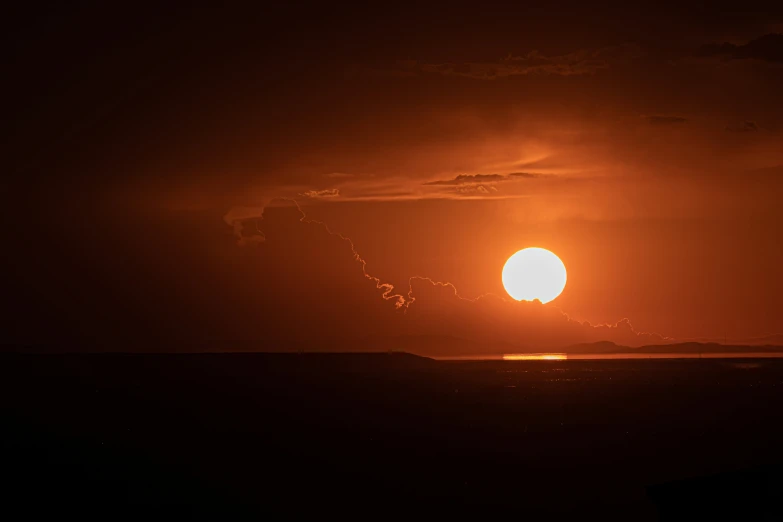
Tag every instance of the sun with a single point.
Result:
(534, 273)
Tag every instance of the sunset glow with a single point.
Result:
(303, 261)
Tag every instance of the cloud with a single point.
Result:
(325, 193)
(436, 308)
(465, 179)
(405, 188)
(745, 126)
(665, 120)
(481, 189)
(317, 287)
(243, 220)
(479, 184)
(578, 63)
(768, 48)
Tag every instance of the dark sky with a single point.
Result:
(142, 146)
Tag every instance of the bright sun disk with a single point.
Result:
(534, 273)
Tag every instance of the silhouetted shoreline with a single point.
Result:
(439, 347)
(293, 436)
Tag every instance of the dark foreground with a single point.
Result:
(376, 436)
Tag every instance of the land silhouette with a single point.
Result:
(438, 346)
(382, 435)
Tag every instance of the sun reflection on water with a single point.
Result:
(535, 357)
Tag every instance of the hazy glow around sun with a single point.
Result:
(534, 273)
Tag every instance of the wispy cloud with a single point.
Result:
(582, 62)
(478, 185)
(465, 179)
(325, 193)
(665, 120)
(745, 126)
(768, 48)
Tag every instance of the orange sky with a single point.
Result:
(644, 149)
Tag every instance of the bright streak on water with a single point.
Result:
(535, 357)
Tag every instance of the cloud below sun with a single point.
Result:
(320, 284)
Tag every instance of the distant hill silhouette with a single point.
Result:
(448, 346)
(599, 347)
(605, 347)
(704, 348)
(422, 345)
(442, 346)
(766, 340)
